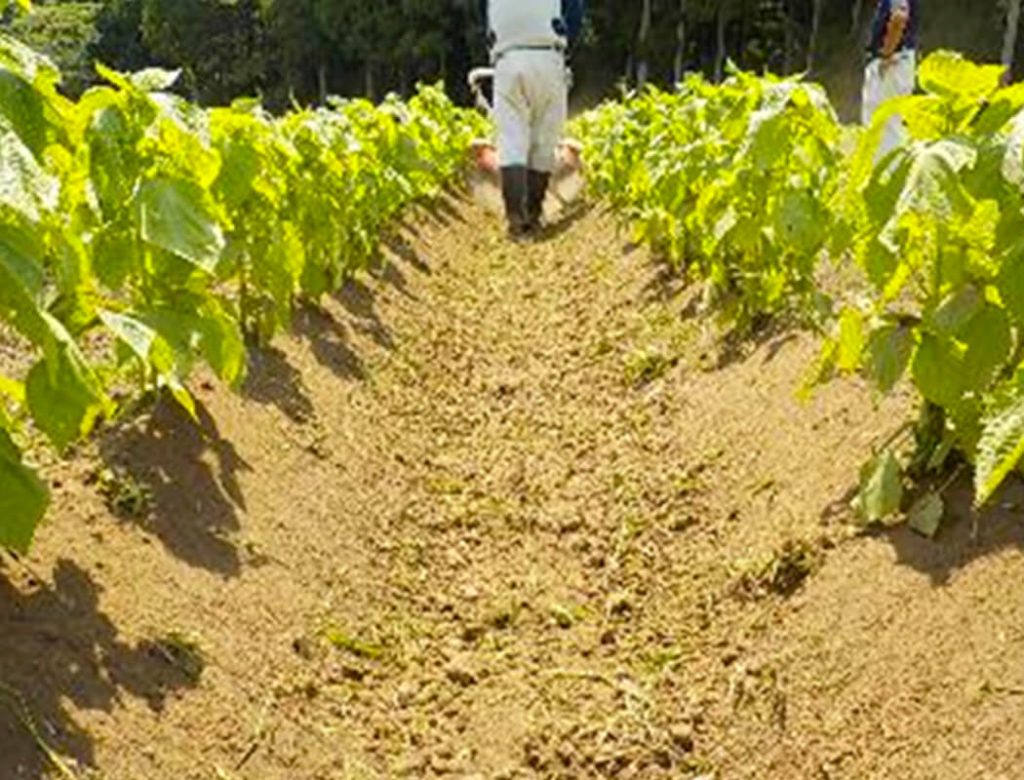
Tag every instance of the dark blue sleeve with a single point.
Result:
(572, 13)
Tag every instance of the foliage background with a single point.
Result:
(303, 50)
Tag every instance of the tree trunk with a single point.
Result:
(720, 44)
(815, 29)
(370, 84)
(858, 6)
(1010, 38)
(321, 81)
(680, 60)
(642, 67)
(787, 23)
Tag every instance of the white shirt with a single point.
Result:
(524, 23)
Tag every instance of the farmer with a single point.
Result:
(892, 62)
(529, 40)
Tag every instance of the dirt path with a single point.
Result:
(494, 514)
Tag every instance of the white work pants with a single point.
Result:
(531, 104)
(881, 82)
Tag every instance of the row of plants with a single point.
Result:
(753, 187)
(142, 236)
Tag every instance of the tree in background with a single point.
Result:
(65, 32)
(303, 50)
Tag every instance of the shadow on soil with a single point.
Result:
(665, 285)
(739, 343)
(56, 645)
(401, 248)
(328, 341)
(359, 301)
(190, 473)
(273, 381)
(445, 209)
(566, 221)
(964, 537)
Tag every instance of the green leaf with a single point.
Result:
(1013, 157)
(956, 311)
(926, 514)
(938, 370)
(62, 392)
(24, 109)
(173, 216)
(800, 221)
(13, 390)
(881, 488)
(24, 186)
(889, 352)
(222, 344)
(1010, 284)
(989, 341)
(136, 335)
(23, 498)
(851, 340)
(154, 79)
(933, 186)
(950, 74)
(1002, 441)
(26, 62)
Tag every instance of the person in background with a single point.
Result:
(892, 63)
(529, 41)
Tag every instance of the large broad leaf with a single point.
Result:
(1002, 441)
(989, 341)
(800, 221)
(933, 186)
(208, 331)
(889, 352)
(863, 162)
(222, 343)
(949, 74)
(998, 110)
(925, 516)
(767, 135)
(938, 370)
(851, 340)
(62, 392)
(24, 108)
(173, 216)
(25, 62)
(132, 332)
(21, 284)
(1013, 156)
(956, 311)
(23, 498)
(1011, 284)
(881, 488)
(24, 186)
(113, 158)
(154, 79)
(157, 356)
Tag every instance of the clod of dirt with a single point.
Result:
(682, 523)
(620, 605)
(305, 648)
(682, 737)
(352, 673)
(783, 573)
(473, 632)
(461, 674)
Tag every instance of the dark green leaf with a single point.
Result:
(23, 498)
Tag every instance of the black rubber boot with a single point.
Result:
(514, 190)
(536, 192)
